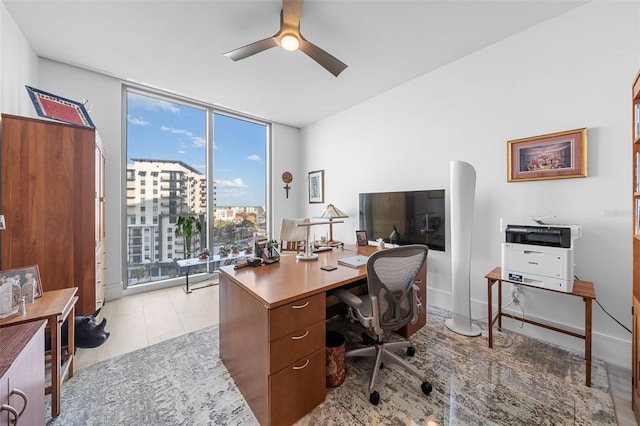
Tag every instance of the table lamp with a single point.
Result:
(331, 212)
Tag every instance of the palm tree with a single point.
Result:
(185, 227)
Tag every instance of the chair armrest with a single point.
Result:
(347, 297)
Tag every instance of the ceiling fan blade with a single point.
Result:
(252, 49)
(332, 64)
(291, 12)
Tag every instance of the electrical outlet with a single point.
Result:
(515, 293)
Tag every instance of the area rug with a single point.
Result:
(522, 381)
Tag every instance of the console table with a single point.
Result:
(55, 307)
(583, 289)
(195, 261)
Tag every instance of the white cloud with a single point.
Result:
(198, 141)
(254, 157)
(137, 121)
(234, 183)
(182, 152)
(151, 104)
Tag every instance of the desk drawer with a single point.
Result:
(286, 350)
(297, 389)
(301, 313)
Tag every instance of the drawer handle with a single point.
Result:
(11, 410)
(301, 367)
(417, 281)
(300, 337)
(22, 395)
(300, 306)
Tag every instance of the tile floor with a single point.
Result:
(144, 319)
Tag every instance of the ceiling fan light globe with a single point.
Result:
(290, 43)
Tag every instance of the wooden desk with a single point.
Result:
(272, 330)
(54, 307)
(583, 289)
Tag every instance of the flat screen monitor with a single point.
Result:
(405, 217)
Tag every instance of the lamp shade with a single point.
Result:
(332, 212)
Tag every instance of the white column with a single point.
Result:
(461, 196)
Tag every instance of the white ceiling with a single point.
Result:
(178, 45)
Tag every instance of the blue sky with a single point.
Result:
(162, 130)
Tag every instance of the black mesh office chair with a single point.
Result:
(391, 303)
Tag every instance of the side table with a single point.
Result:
(54, 307)
(583, 289)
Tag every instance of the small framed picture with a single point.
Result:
(16, 284)
(316, 186)
(361, 238)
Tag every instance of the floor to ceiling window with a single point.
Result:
(189, 161)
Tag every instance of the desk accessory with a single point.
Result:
(332, 212)
(241, 263)
(329, 267)
(267, 251)
(354, 261)
(255, 261)
(308, 251)
(361, 238)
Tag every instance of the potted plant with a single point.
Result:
(205, 254)
(248, 250)
(223, 251)
(187, 227)
(235, 249)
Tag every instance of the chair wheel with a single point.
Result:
(411, 351)
(426, 388)
(374, 398)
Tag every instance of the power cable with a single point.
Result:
(605, 311)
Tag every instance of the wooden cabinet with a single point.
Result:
(52, 196)
(22, 374)
(635, 309)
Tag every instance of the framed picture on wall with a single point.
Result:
(553, 156)
(316, 186)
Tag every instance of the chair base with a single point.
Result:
(383, 353)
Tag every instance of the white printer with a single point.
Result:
(539, 254)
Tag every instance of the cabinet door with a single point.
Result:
(27, 376)
(4, 399)
(298, 388)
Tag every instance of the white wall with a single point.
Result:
(18, 66)
(573, 71)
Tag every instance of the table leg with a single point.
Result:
(71, 339)
(490, 312)
(499, 304)
(187, 290)
(587, 338)
(55, 365)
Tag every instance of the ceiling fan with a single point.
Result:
(290, 39)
